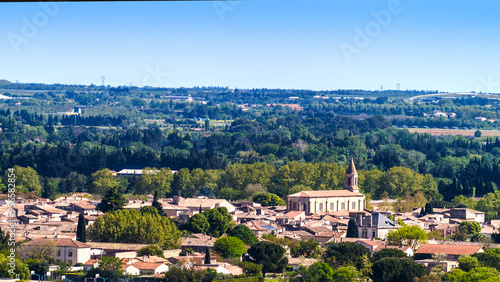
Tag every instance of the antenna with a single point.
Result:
(381, 88)
(398, 85)
(103, 78)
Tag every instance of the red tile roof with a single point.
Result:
(147, 265)
(61, 242)
(448, 249)
(326, 193)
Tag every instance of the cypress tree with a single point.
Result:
(352, 229)
(157, 204)
(207, 256)
(81, 233)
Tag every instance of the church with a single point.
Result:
(348, 199)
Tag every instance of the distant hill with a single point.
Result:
(4, 82)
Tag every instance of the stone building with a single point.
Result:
(348, 199)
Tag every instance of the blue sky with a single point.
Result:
(307, 44)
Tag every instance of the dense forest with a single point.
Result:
(228, 142)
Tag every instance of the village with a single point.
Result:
(323, 216)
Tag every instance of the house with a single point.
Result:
(110, 249)
(130, 269)
(291, 217)
(150, 268)
(467, 215)
(447, 265)
(376, 225)
(67, 250)
(194, 204)
(348, 199)
(174, 210)
(198, 242)
(91, 263)
(296, 262)
(84, 207)
(452, 252)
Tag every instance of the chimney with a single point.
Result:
(371, 220)
(176, 199)
(360, 219)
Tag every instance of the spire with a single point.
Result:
(351, 178)
(351, 169)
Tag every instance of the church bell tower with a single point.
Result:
(351, 178)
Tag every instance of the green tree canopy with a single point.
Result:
(20, 268)
(268, 199)
(270, 255)
(153, 180)
(467, 263)
(102, 181)
(388, 253)
(111, 201)
(151, 250)
(26, 180)
(397, 269)
(198, 223)
(229, 247)
(320, 271)
(345, 254)
(307, 248)
(132, 226)
(477, 274)
(412, 236)
(109, 267)
(244, 234)
(219, 220)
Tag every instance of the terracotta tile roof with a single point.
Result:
(326, 193)
(61, 242)
(117, 246)
(448, 249)
(293, 214)
(50, 209)
(204, 203)
(330, 234)
(147, 265)
(84, 205)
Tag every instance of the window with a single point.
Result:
(332, 206)
(364, 234)
(353, 205)
(373, 235)
(58, 252)
(343, 206)
(320, 206)
(70, 253)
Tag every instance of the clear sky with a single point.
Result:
(445, 45)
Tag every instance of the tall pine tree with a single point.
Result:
(81, 233)
(207, 256)
(157, 204)
(352, 229)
